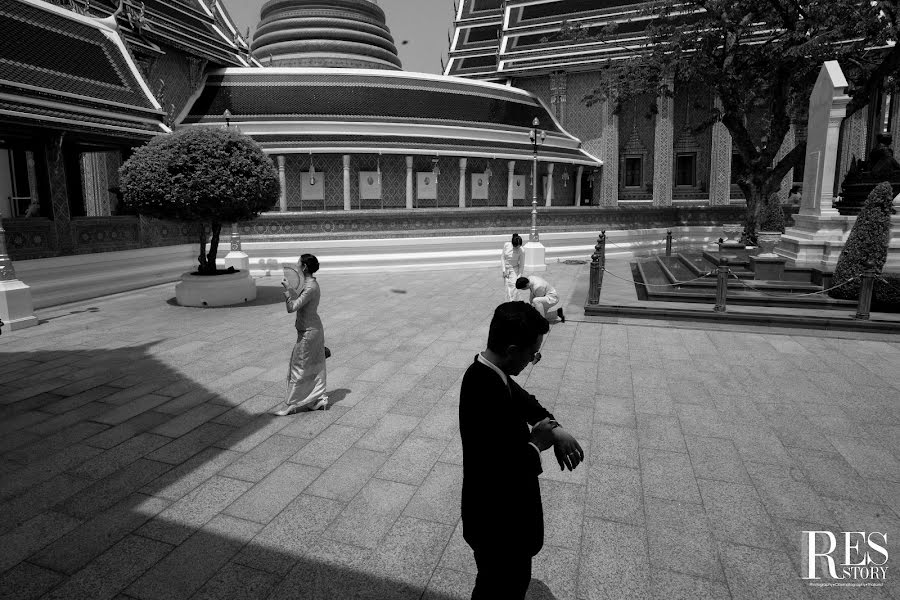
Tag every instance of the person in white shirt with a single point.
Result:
(543, 295)
(512, 262)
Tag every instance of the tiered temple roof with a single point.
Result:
(294, 110)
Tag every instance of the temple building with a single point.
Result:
(81, 84)
(350, 130)
(651, 157)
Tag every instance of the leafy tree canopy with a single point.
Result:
(761, 58)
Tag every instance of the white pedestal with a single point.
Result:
(237, 259)
(534, 257)
(816, 240)
(16, 309)
(893, 257)
(215, 290)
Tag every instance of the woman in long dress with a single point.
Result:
(306, 373)
(512, 263)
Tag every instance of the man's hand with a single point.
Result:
(542, 435)
(567, 449)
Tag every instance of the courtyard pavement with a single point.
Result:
(138, 458)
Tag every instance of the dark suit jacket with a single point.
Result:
(501, 496)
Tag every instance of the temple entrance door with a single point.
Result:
(587, 189)
(15, 183)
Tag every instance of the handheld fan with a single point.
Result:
(293, 277)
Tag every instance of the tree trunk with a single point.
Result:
(202, 257)
(213, 246)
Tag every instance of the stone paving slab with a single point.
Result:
(138, 458)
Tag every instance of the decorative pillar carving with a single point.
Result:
(720, 162)
(663, 141)
(462, 182)
(346, 182)
(578, 176)
(282, 179)
(558, 95)
(510, 183)
(786, 146)
(609, 153)
(854, 141)
(59, 195)
(548, 188)
(409, 182)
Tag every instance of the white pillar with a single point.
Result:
(663, 148)
(282, 179)
(16, 307)
(409, 182)
(578, 176)
(346, 182)
(720, 162)
(462, 182)
(548, 189)
(510, 183)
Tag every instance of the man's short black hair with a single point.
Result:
(522, 283)
(515, 323)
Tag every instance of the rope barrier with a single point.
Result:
(658, 284)
(748, 286)
(883, 280)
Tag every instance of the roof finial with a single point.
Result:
(111, 21)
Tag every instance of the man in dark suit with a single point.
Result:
(504, 429)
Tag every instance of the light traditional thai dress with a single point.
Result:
(543, 295)
(512, 262)
(306, 373)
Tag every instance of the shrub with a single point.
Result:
(204, 175)
(868, 241)
(772, 216)
(886, 295)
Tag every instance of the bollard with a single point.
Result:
(721, 286)
(669, 242)
(596, 274)
(866, 284)
(602, 243)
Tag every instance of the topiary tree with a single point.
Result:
(772, 216)
(202, 175)
(868, 240)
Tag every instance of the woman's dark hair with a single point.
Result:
(311, 262)
(515, 323)
(516, 240)
(521, 283)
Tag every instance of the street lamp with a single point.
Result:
(537, 137)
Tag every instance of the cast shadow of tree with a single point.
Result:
(116, 481)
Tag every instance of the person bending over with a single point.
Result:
(543, 295)
(504, 429)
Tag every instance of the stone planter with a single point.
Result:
(732, 233)
(215, 290)
(767, 241)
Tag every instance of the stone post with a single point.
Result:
(669, 242)
(16, 307)
(237, 258)
(721, 286)
(663, 148)
(595, 275)
(282, 180)
(549, 188)
(462, 182)
(346, 182)
(866, 284)
(720, 163)
(510, 183)
(578, 175)
(409, 182)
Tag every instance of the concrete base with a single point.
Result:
(816, 241)
(16, 308)
(218, 290)
(237, 259)
(768, 268)
(534, 257)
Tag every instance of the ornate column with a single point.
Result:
(663, 144)
(854, 141)
(16, 308)
(786, 146)
(346, 182)
(59, 196)
(578, 176)
(720, 163)
(409, 182)
(609, 154)
(462, 182)
(282, 179)
(510, 183)
(548, 189)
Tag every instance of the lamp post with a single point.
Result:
(534, 250)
